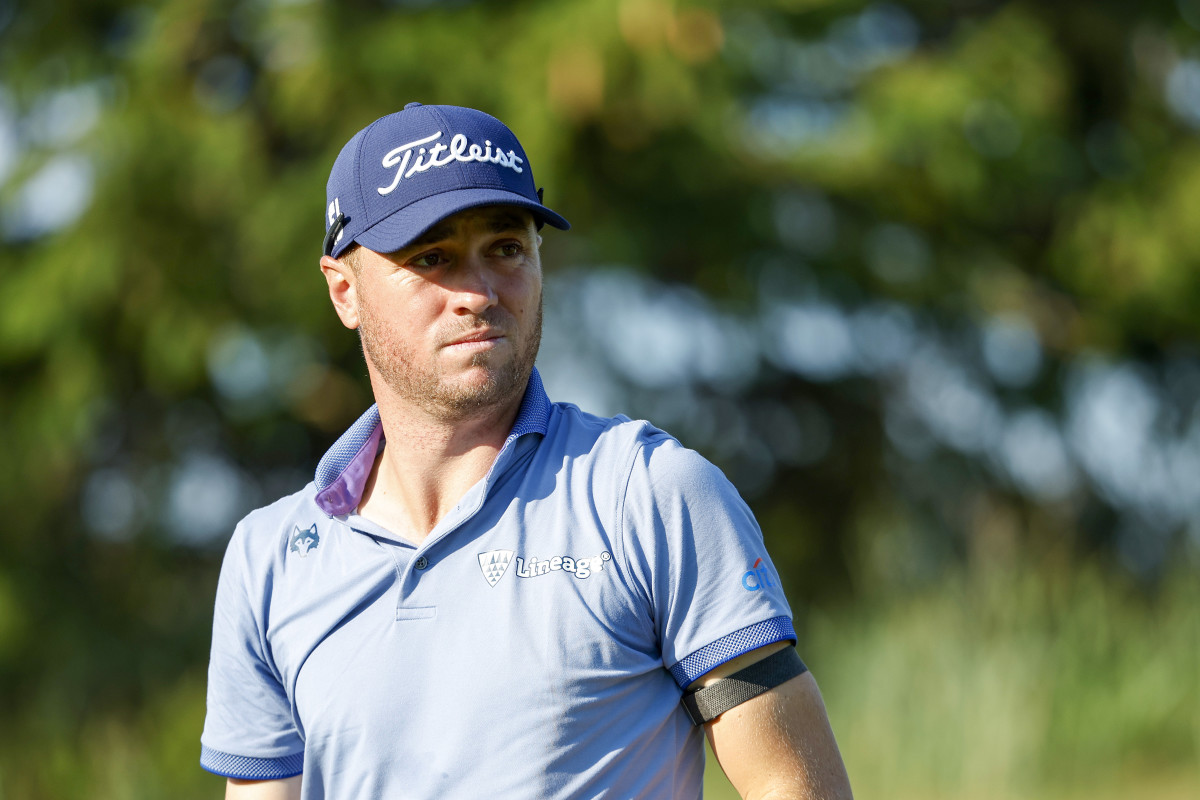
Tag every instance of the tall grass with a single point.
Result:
(1010, 684)
(1017, 684)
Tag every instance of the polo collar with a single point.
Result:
(343, 471)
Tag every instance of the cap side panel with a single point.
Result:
(362, 198)
(341, 189)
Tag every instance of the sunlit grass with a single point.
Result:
(1017, 685)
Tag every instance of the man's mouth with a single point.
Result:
(477, 340)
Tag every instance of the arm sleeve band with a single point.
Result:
(708, 703)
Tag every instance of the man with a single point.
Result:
(484, 594)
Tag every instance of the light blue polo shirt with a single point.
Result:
(534, 645)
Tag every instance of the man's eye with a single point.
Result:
(427, 260)
(509, 249)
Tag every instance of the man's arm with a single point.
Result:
(284, 789)
(778, 745)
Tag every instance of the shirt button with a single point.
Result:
(421, 563)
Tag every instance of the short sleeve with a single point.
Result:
(697, 551)
(249, 731)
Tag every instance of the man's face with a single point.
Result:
(452, 323)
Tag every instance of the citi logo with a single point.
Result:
(757, 577)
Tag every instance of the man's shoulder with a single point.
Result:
(269, 529)
(619, 431)
(636, 447)
(622, 445)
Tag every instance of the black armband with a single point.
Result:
(708, 703)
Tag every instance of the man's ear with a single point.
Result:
(342, 289)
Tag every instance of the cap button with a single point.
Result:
(407, 106)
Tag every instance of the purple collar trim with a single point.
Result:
(343, 471)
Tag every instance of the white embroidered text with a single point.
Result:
(579, 567)
(460, 149)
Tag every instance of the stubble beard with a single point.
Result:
(425, 387)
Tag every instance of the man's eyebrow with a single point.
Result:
(435, 234)
(507, 222)
(500, 223)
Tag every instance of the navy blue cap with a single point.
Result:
(403, 173)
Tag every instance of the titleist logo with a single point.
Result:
(459, 149)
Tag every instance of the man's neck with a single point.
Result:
(429, 463)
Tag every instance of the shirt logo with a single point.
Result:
(460, 149)
(579, 567)
(757, 577)
(331, 215)
(304, 541)
(494, 564)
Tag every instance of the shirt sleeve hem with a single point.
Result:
(247, 768)
(730, 646)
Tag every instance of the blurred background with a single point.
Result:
(920, 276)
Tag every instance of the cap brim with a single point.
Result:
(397, 231)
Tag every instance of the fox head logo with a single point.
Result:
(304, 540)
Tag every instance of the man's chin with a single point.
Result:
(477, 378)
(478, 388)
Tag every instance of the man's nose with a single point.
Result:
(475, 286)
